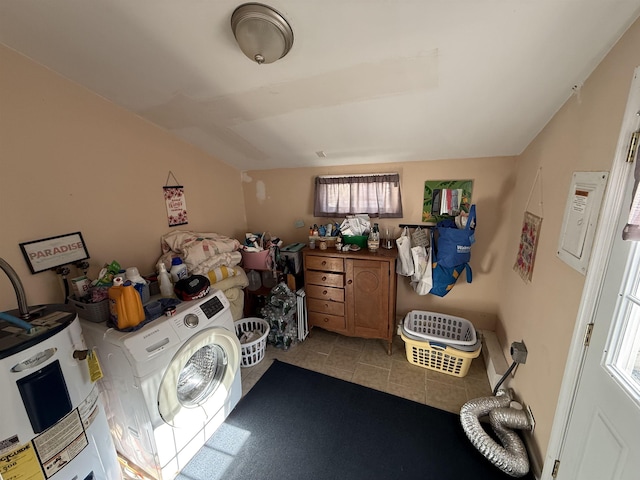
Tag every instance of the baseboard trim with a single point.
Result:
(493, 357)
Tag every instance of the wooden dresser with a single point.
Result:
(352, 293)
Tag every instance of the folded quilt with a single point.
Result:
(201, 252)
(180, 240)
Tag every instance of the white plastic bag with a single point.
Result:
(422, 279)
(419, 256)
(404, 265)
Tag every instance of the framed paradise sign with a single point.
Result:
(53, 252)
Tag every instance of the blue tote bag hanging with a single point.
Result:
(445, 278)
(454, 244)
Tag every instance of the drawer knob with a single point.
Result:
(326, 319)
(324, 262)
(326, 305)
(324, 279)
(324, 292)
(350, 282)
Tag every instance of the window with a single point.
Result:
(377, 195)
(623, 350)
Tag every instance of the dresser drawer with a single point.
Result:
(329, 264)
(324, 293)
(322, 278)
(330, 322)
(325, 306)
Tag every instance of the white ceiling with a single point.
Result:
(366, 80)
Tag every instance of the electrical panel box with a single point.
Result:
(581, 218)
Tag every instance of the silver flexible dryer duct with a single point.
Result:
(512, 457)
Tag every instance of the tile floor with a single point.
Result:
(366, 362)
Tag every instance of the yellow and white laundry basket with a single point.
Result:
(440, 342)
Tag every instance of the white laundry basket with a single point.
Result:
(454, 331)
(254, 347)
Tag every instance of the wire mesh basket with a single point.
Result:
(94, 312)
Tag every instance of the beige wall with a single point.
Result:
(581, 137)
(71, 161)
(275, 199)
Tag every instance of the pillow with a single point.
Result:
(221, 273)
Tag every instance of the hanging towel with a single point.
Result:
(421, 280)
(404, 265)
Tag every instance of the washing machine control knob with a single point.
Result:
(191, 320)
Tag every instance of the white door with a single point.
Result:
(602, 440)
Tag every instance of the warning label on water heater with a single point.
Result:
(61, 443)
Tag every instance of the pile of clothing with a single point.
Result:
(212, 255)
(255, 242)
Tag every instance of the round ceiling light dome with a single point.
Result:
(262, 33)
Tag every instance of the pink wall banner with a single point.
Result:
(528, 246)
(176, 202)
(176, 205)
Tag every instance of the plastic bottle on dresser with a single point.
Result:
(178, 270)
(373, 242)
(166, 287)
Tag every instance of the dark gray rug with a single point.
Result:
(301, 425)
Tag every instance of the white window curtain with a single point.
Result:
(377, 195)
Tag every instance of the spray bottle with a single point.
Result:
(166, 287)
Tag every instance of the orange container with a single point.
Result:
(125, 307)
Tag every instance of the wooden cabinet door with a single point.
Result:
(367, 294)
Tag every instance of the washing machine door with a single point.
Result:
(197, 382)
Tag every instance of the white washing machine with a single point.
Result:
(53, 425)
(169, 385)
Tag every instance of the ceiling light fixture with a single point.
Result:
(262, 33)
